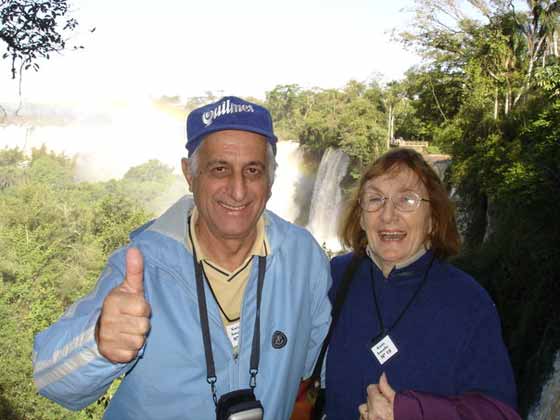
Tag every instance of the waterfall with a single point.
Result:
(548, 407)
(326, 201)
(283, 201)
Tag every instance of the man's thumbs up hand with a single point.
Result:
(124, 320)
(134, 280)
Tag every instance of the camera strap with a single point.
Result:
(205, 326)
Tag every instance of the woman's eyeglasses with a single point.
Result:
(406, 201)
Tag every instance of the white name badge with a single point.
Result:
(384, 349)
(232, 331)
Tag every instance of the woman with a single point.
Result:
(416, 337)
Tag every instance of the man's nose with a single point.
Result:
(238, 186)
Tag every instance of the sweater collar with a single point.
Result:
(412, 267)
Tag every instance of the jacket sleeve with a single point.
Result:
(412, 405)
(67, 366)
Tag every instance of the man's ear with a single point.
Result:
(187, 171)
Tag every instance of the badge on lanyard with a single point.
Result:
(384, 349)
(232, 331)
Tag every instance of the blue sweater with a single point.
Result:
(449, 340)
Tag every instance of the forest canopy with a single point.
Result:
(55, 236)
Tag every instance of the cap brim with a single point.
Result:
(272, 139)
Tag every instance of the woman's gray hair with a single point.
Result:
(270, 163)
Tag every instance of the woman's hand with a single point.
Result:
(380, 400)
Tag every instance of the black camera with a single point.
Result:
(239, 405)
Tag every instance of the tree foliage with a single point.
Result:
(353, 118)
(55, 236)
(506, 43)
(33, 29)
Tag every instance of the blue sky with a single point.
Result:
(245, 47)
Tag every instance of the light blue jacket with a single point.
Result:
(168, 378)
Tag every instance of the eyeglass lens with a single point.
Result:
(404, 201)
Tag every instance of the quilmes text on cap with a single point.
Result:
(228, 113)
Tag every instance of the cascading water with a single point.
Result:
(326, 202)
(548, 407)
(288, 174)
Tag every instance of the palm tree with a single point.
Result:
(540, 27)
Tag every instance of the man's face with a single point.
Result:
(231, 187)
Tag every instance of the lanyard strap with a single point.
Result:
(407, 306)
(256, 346)
(339, 299)
(205, 326)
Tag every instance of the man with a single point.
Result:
(219, 258)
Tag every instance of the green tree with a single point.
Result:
(393, 100)
(433, 96)
(152, 185)
(55, 236)
(506, 42)
(285, 103)
(12, 163)
(352, 119)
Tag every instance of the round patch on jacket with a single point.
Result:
(279, 339)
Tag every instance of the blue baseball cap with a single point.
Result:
(229, 113)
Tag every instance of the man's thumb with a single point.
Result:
(134, 278)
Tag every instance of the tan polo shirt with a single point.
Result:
(227, 286)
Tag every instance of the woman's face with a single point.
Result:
(395, 236)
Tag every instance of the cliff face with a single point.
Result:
(439, 162)
(515, 254)
(518, 263)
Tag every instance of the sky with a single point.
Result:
(146, 49)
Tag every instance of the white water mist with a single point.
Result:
(106, 142)
(290, 161)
